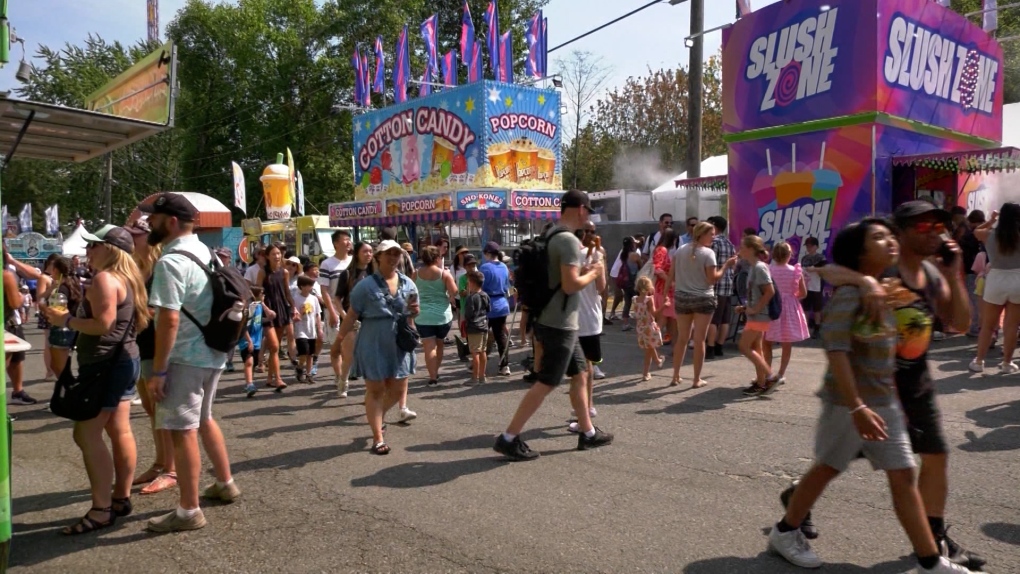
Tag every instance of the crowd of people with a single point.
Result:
(139, 309)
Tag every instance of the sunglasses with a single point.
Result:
(92, 244)
(929, 226)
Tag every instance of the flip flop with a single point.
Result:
(162, 482)
(148, 476)
(380, 449)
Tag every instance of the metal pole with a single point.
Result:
(694, 107)
(108, 190)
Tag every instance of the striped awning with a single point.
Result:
(716, 182)
(456, 215)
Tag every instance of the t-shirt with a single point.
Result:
(689, 265)
(496, 286)
(758, 277)
(998, 259)
(252, 274)
(476, 312)
(309, 308)
(915, 322)
(970, 246)
(589, 318)
(871, 347)
(343, 289)
(330, 270)
(561, 312)
(255, 313)
(294, 291)
(808, 264)
(178, 282)
(652, 242)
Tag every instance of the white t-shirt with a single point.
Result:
(295, 292)
(652, 242)
(252, 274)
(589, 316)
(309, 309)
(330, 270)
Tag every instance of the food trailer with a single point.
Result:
(482, 161)
(307, 235)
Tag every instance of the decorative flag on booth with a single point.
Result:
(359, 77)
(366, 83)
(52, 221)
(743, 8)
(25, 218)
(428, 34)
(449, 64)
(475, 67)
(401, 68)
(991, 15)
(533, 37)
(492, 37)
(506, 58)
(300, 194)
(290, 172)
(543, 53)
(425, 87)
(240, 198)
(379, 85)
(467, 36)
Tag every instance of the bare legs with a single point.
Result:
(691, 327)
(990, 315)
(751, 347)
(784, 361)
(103, 468)
(433, 347)
(189, 461)
(380, 397)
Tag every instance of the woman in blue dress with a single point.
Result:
(378, 302)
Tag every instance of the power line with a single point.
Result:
(607, 24)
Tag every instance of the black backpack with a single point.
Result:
(229, 287)
(532, 274)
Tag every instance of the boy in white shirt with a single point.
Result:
(308, 328)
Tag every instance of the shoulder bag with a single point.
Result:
(81, 398)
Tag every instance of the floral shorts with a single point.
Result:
(687, 304)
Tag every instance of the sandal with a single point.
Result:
(675, 382)
(163, 482)
(86, 524)
(380, 448)
(699, 383)
(149, 475)
(121, 506)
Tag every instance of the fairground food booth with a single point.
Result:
(476, 163)
(131, 107)
(833, 112)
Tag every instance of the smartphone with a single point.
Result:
(947, 254)
(412, 299)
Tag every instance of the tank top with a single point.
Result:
(146, 339)
(435, 305)
(96, 348)
(276, 289)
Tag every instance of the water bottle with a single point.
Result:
(236, 312)
(60, 336)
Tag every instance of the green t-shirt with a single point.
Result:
(461, 288)
(562, 311)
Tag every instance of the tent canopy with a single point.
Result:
(211, 213)
(711, 167)
(75, 243)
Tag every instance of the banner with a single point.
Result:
(240, 200)
(291, 171)
(432, 203)
(142, 92)
(990, 22)
(506, 58)
(535, 200)
(467, 35)
(25, 218)
(31, 246)
(379, 85)
(401, 68)
(52, 216)
(339, 212)
(484, 134)
(300, 194)
(429, 32)
(492, 37)
(482, 199)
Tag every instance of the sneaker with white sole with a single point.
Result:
(226, 493)
(794, 547)
(1009, 368)
(944, 567)
(171, 522)
(341, 388)
(21, 398)
(407, 415)
(504, 372)
(976, 366)
(597, 373)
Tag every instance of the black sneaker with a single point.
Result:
(718, 351)
(598, 439)
(958, 554)
(515, 450)
(807, 527)
(432, 382)
(753, 390)
(530, 377)
(21, 398)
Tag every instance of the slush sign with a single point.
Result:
(797, 62)
(922, 60)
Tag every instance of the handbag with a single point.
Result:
(81, 398)
(647, 270)
(407, 334)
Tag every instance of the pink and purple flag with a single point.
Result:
(533, 37)
(429, 29)
(359, 77)
(366, 82)
(401, 68)
(475, 73)
(449, 64)
(467, 35)
(379, 86)
(425, 87)
(506, 58)
(492, 38)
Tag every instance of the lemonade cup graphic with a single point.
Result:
(546, 165)
(501, 160)
(525, 159)
(442, 151)
(276, 183)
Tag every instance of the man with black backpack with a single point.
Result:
(551, 274)
(189, 287)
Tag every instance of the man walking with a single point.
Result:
(329, 272)
(557, 349)
(724, 291)
(185, 370)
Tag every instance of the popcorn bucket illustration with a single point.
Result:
(525, 159)
(546, 165)
(501, 160)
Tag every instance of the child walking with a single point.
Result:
(791, 326)
(476, 318)
(759, 292)
(250, 344)
(648, 332)
(306, 330)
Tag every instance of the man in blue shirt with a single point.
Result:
(497, 286)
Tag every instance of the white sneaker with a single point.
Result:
(597, 373)
(592, 412)
(342, 387)
(407, 415)
(943, 567)
(1009, 368)
(977, 366)
(136, 401)
(505, 372)
(794, 547)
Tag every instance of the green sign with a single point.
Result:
(142, 92)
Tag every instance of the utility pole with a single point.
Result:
(694, 107)
(108, 190)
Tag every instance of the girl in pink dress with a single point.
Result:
(649, 336)
(663, 261)
(791, 326)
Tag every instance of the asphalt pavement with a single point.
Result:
(691, 483)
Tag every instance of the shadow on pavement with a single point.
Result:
(266, 433)
(39, 546)
(713, 399)
(765, 563)
(493, 386)
(1003, 418)
(1003, 532)
(418, 474)
(301, 457)
(967, 381)
(48, 501)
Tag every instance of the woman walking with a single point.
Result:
(341, 354)
(630, 264)
(759, 292)
(275, 282)
(436, 289)
(382, 302)
(1002, 286)
(115, 306)
(663, 265)
(691, 287)
(791, 326)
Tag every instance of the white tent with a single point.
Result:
(668, 199)
(711, 167)
(75, 243)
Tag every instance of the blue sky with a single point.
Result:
(653, 37)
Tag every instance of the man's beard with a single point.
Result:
(156, 236)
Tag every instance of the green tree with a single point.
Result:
(590, 157)
(1009, 26)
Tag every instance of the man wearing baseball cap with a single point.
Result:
(930, 267)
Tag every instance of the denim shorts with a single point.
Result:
(120, 382)
(62, 338)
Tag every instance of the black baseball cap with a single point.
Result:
(112, 235)
(916, 208)
(470, 259)
(575, 198)
(171, 204)
(491, 247)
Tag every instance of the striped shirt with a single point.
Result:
(724, 250)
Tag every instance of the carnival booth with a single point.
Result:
(212, 225)
(839, 111)
(33, 248)
(476, 163)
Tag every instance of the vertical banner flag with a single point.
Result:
(743, 8)
(300, 194)
(379, 85)
(359, 77)
(991, 15)
(467, 36)
(533, 38)
(506, 58)
(290, 174)
(449, 64)
(428, 34)
(52, 221)
(240, 200)
(401, 70)
(425, 87)
(366, 83)
(543, 53)
(25, 218)
(475, 65)
(492, 37)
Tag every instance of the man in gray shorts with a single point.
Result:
(557, 349)
(185, 370)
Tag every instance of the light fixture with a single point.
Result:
(24, 73)
(676, 2)
(557, 83)
(564, 110)
(689, 42)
